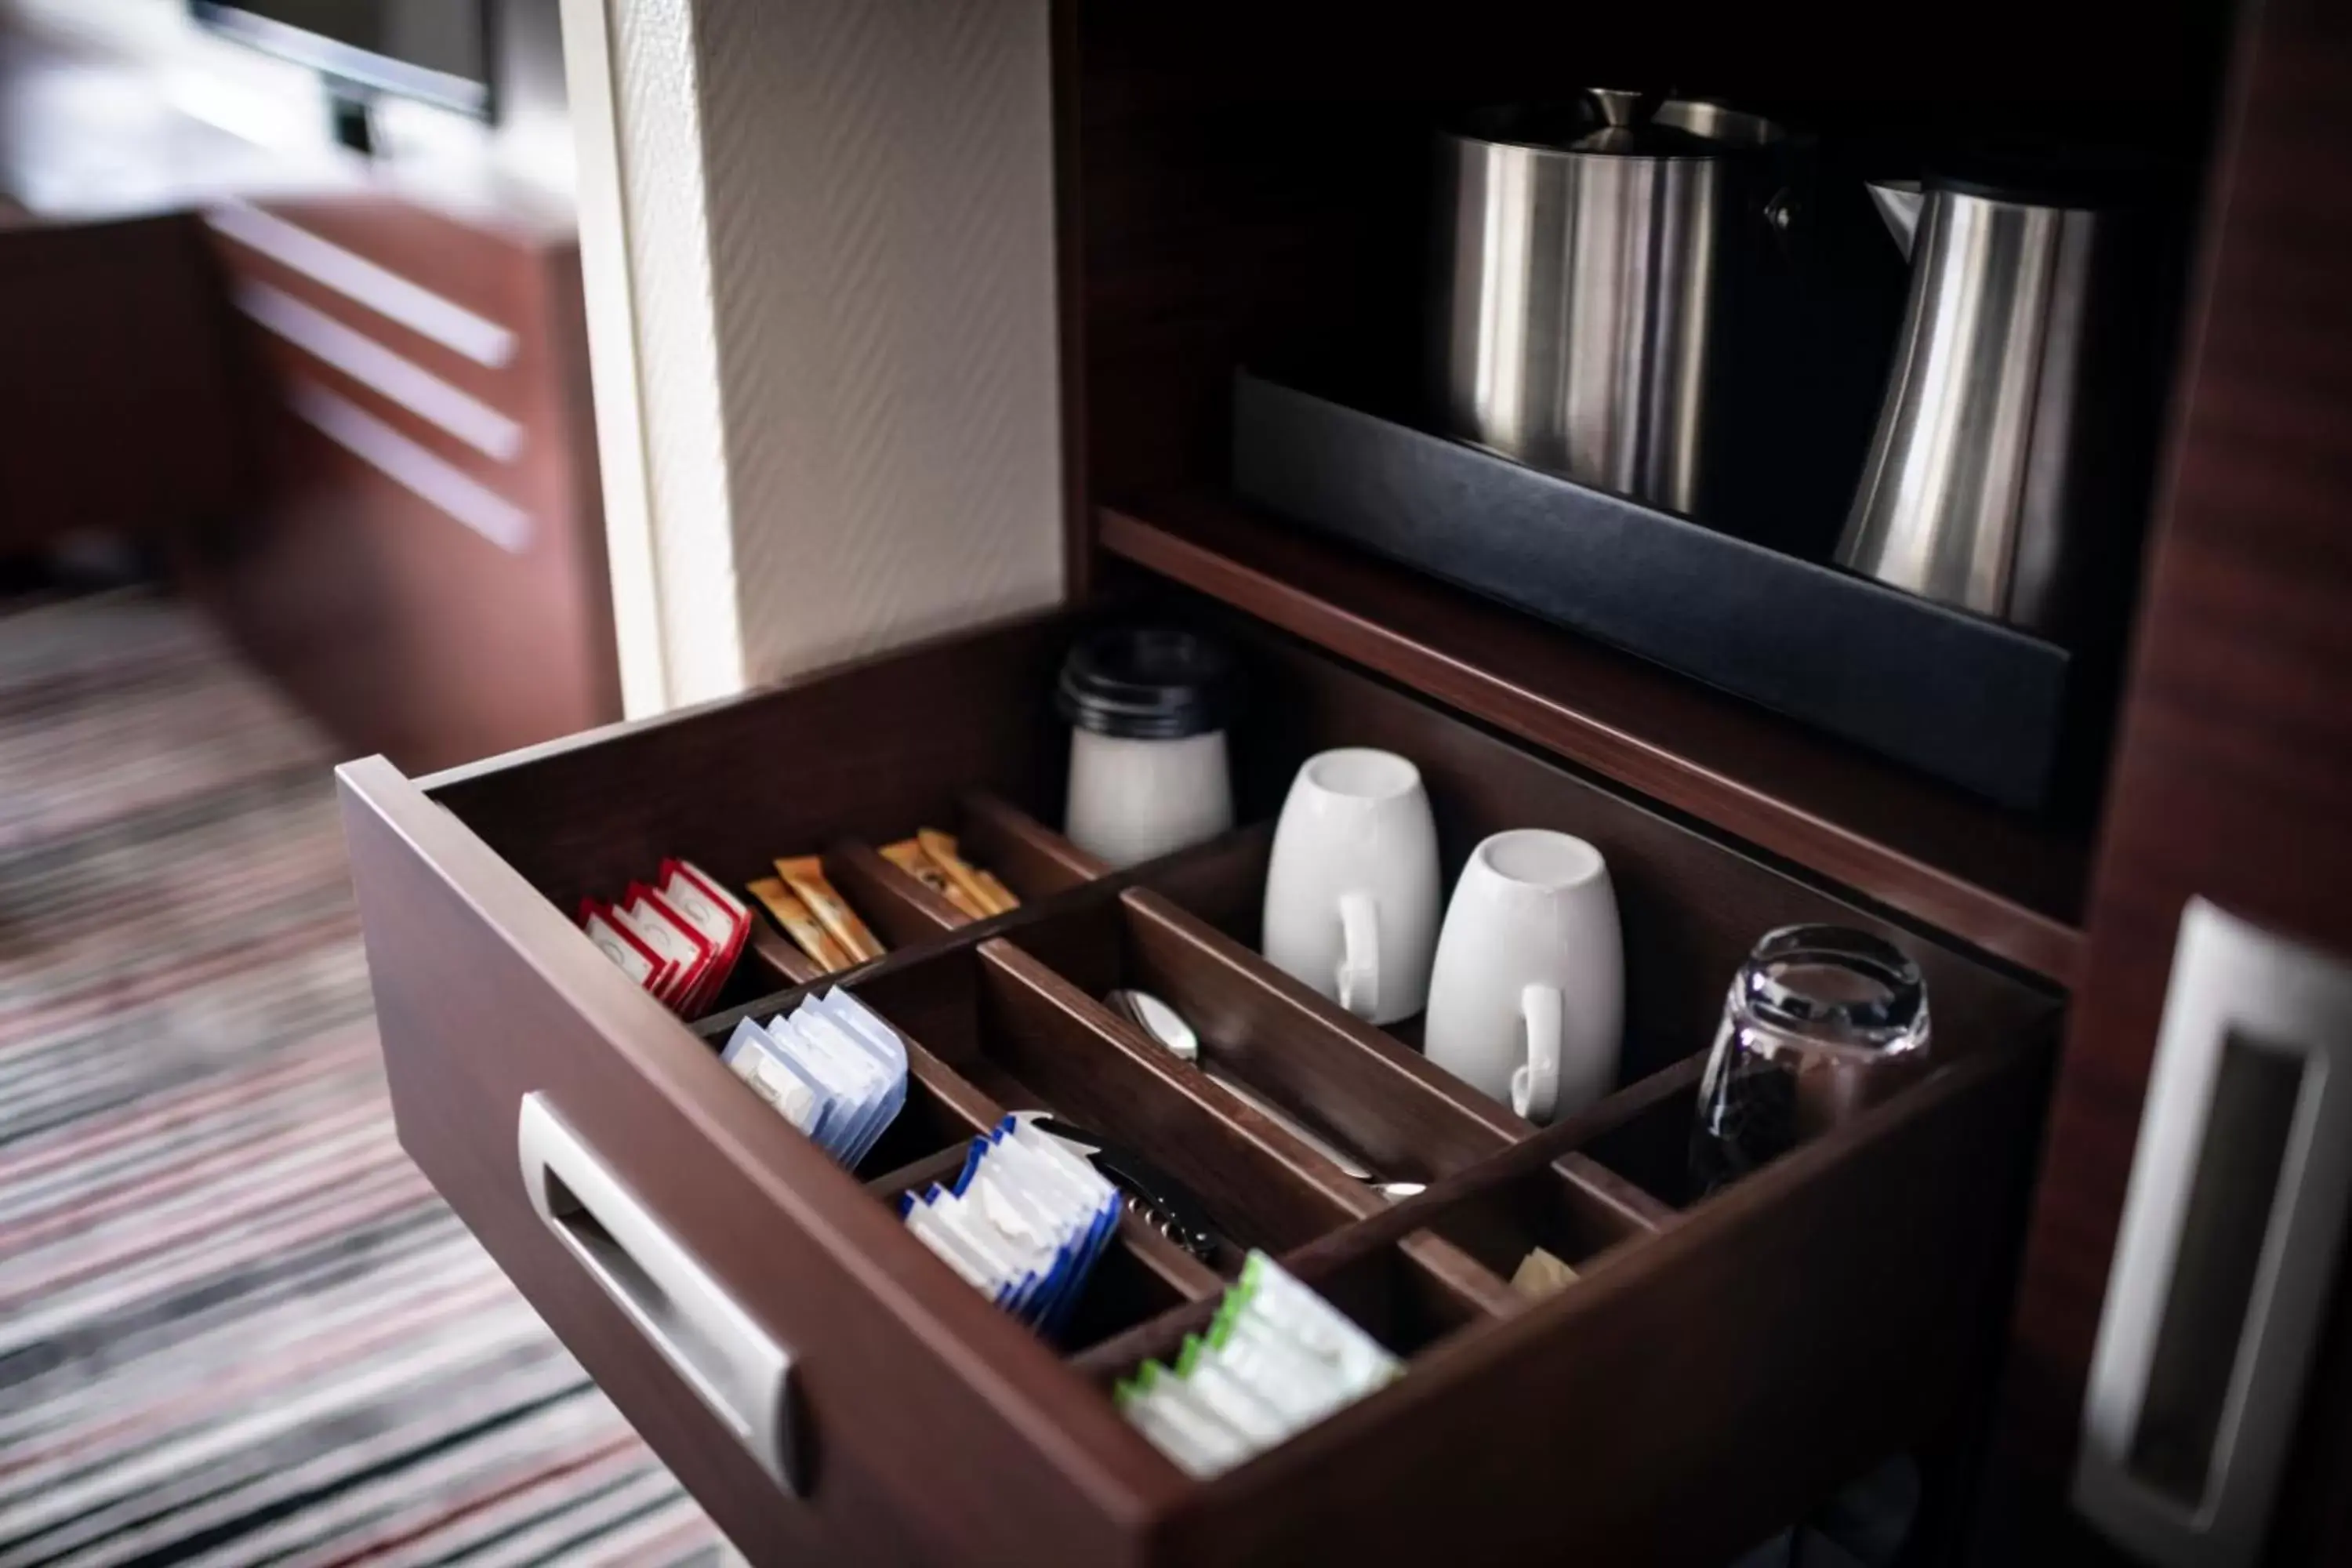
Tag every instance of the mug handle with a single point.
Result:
(1359, 955)
(1535, 1083)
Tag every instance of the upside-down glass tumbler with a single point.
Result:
(1822, 1023)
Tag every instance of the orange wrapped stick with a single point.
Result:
(804, 875)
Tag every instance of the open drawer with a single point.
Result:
(831, 1391)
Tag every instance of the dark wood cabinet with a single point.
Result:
(1229, 192)
(421, 560)
(114, 383)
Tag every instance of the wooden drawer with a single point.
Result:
(1719, 1366)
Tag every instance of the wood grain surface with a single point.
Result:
(867, 753)
(1034, 860)
(2235, 764)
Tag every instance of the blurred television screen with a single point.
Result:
(437, 51)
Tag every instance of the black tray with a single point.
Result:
(1974, 702)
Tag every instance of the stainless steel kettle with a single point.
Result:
(1995, 459)
(1596, 258)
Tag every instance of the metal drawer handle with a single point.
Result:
(708, 1339)
(2240, 1187)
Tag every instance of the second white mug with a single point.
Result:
(1351, 891)
(1526, 1000)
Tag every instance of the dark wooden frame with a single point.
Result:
(2234, 765)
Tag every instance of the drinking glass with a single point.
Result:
(1821, 1023)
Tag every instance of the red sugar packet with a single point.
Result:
(707, 952)
(665, 943)
(675, 936)
(624, 947)
(725, 920)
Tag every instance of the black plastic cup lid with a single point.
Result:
(1146, 683)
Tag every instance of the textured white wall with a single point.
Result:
(638, 635)
(658, 104)
(840, 277)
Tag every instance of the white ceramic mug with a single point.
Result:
(1351, 892)
(1527, 1001)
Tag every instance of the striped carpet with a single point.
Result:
(236, 1325)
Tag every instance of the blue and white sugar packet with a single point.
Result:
(866, 1027)
(775, 1078)
(852, 1077)
(883, 1067)
(834, 1068)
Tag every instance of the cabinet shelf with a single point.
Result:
(2010, 886)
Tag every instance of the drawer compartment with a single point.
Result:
(1714, 1368)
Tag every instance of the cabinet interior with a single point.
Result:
(1252, 186)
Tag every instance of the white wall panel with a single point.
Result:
(657, 106)
(840, 248)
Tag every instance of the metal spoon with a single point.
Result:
(1165, 1025)
(1157, 1020)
